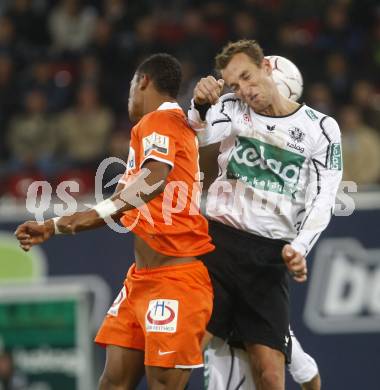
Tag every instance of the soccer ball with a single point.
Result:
(287, 77)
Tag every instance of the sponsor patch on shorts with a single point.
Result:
(162, 316)
(157, 142)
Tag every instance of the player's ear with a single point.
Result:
(267, 66)
(144, 81)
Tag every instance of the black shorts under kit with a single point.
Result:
(251, 293)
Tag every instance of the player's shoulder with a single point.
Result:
(167, 118)
(167, 122)
(320, 127)
(230, 101)
(319, 119)
(230, 98)
(156, 116)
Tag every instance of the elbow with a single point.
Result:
(160, 189)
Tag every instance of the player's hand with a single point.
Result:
(208, 90)
(31, 233)
(295, 262)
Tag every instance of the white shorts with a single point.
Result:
(228, 368)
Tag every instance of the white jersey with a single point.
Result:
(228, 368)
(278, 176)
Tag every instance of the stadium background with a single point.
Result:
(65, 68)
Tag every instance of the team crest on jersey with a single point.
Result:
(296, 134)
(246, 118)
(157, 142)
(162, 316)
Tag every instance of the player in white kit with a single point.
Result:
(228, 367)
(279, 170)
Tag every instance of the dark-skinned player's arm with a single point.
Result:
(147, 184)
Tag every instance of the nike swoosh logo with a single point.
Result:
(165, 353)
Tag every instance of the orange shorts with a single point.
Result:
(162, 311)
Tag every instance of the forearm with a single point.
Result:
(325, 175)
(131, 195)
(136, 193)
(317, 217)
(77, 222)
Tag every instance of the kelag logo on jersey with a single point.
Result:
(265, 166)
(162, 316)
(344, 292)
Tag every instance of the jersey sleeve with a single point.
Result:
(158, 137)
(215, 124)
(303, 367)
(325, 169)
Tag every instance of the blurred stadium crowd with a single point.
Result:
(65, 68)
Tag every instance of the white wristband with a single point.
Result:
(55, 221)
(106, 208)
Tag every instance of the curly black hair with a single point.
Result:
(165, 72)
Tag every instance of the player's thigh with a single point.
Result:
(174, 315)
(264, 359)
(219, 263)
(124, 368)
(160, 378)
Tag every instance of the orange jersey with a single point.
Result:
(177, 229)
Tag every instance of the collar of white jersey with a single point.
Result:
(297, 111)
(169, 106)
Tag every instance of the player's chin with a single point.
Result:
(133, 113)
(257, 105)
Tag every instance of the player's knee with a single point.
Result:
(167, 379)
(272, 379)
(107, 382)
(313, 384)
(160, 381)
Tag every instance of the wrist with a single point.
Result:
(202, 108)
(201, 104)
(105, 208)
(51, 226)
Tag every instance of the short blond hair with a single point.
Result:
(249, 47)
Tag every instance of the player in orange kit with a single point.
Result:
(160, 315)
